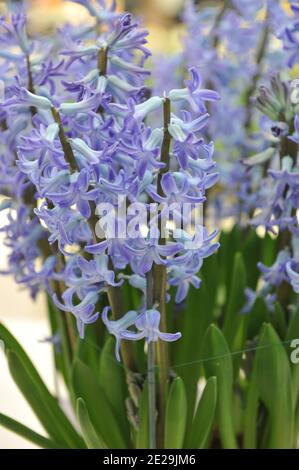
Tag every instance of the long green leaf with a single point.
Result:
(278, 320)
(62, 358)
(142, 436)
(204, 416)
(236, 300)
(218, 362)
(251, 255)
(112, 372)
(43, 404)
(251, 412)
(87, 350)
(176, 415)
(275, 388)
(92, 439)
(230, 244)
(12, 344)
(257, 316)
(99, 409)
(27, 433)
(193, 323)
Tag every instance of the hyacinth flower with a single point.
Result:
(292, 270)
(295, 136)
(276, 202)
(231, 45)
(23, 235)
(106, 150)
(148, 325)
(83, 311)
(119, 328)
(91, 137)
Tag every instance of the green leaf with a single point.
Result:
(257, 316)
(142, 435)
(176, 415)
(268, 250)
(251, 412)
(251, 255)
(27, 433)
(87, 353)
(43, 404)
(101, 414)
(12, 344)
(210, 273)
(275, 388)
(112, 372)
(239, 344)
(278, 320)
(296, 433)
(236, 300)
(204, 416)
(218, 362)
(230, 243)
(192, 323)
(92, 439)
(58, 324)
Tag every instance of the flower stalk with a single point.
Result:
(64, 322)
(151, 379)
(114, 293)
(102, 60)
(160, 278)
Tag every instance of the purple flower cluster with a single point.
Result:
(24, 235)
(232, 47)
(87, 139)
(276, 201)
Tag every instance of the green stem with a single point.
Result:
(166, 142)
(218, 20)
(30, 79)
(102, 61)
(151, 379)
(151, 394)
(66, 146)
(160, 277)
(159, 289)
(65, 326)
(30, 83)
(65, 321)
(114, 293)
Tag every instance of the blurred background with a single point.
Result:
(162, 17)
